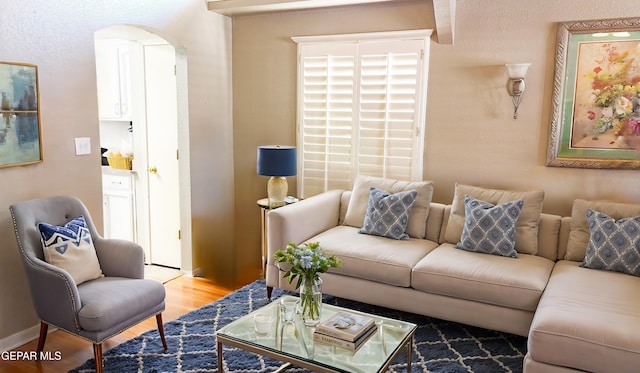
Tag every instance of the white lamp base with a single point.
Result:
(277, 189)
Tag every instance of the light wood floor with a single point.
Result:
(183, 295)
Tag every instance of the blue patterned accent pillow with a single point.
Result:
(490, 229)
(70, 247)
(388, 214)
(613, 245)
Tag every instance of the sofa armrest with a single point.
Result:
(297, 223)
(302, 220)
(120, 258)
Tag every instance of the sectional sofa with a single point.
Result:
(576, 318)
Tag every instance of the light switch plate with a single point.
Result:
(83, 145)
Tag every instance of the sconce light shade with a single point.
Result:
(277, 161)
(516, 85)
(517, 70)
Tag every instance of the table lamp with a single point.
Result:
(277, 161)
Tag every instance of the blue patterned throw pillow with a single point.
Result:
(489, 228)
(70, 247)
(613, 245)
(388, 214)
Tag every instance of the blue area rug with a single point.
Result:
(439, 346)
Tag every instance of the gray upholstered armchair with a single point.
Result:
(95, 310)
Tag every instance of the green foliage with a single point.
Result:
(307, 260)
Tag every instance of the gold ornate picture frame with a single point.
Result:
(595, 120)
(20, 140)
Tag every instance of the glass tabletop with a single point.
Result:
(295, 340)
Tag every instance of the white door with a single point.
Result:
(162, 155)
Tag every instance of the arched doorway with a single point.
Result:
(142, 98)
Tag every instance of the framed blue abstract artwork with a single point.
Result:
(20, 140)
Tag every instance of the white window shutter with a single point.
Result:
(360, 111)
(389, 128)
(326, 117)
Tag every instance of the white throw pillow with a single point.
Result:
(70, 247)
(359, 201)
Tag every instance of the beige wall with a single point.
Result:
(264, 87)
(471, 134)
(59, 39)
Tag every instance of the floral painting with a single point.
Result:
(608, 110)
(19, 115)
(596, 107)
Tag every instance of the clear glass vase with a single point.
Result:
(311, 300)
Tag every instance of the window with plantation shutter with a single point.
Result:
(361, 108)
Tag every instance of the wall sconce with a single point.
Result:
(516, 85)
(277, 161)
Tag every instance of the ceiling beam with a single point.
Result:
(444, 10)
(445, 17)
(238, 7)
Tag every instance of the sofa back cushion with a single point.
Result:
(436, 221)
(549, 236)
(359, 200)
(579, 235)
(553, 232)
(563, 237)
(526, 227)
(344, 203)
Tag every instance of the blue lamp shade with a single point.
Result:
(277, 160)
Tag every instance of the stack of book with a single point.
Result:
(346, 330)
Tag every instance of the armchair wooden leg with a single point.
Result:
(97, 354)
(161, 331)
(43, 337)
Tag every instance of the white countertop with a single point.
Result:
(108, 170)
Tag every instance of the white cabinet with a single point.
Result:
(119, 206)
(113, 79)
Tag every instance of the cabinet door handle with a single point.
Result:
(153, 170)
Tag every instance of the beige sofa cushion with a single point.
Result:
(502, 281)
(549, 236)
(373, 258)
(579, 235)
(419, 212)
(526, 227)
(588, 320)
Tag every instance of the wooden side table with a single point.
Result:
(264, 210)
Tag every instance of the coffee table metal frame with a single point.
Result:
(223, 338)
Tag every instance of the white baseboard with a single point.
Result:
(21, 338)
(197, 272)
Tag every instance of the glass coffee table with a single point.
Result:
(293, 344)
